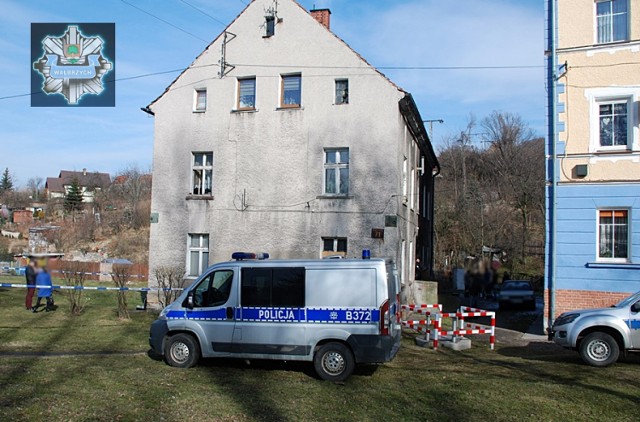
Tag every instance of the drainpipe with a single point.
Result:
(553, 127)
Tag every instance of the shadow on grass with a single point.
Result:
(571, 373)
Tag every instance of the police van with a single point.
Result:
(334, 312)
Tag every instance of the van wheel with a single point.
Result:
(599, 349)
(334, 362)
(181, 351)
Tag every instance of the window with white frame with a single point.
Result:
(246, 94)
(334, 246)
(614, 123)
(613, 234)
(342, 91)
(336, 171)
(404, 181)
(202, 173)
(612, 20)
(200, 100)
(198, 254)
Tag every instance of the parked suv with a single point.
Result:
(600, 334)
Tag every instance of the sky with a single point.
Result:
(41, 141)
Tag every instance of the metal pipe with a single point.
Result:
(553, 125)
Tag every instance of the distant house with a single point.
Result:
(22, 216)
(90, 183)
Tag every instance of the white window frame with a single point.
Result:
(405, 187)
(336, 166)
(596, 34)
(206, 167)
(196, 96)
(598, 96)
(201, 250)
(334, 251)
(629, 234)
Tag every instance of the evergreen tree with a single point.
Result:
(6, 182)
(73, 198)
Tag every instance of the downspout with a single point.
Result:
(553, 126)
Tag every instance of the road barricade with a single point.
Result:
(433, 323)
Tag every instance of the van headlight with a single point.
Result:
(566, 319)
(163, 313)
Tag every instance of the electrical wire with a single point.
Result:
(166, 22)
(204, 13)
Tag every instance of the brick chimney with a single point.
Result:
(323, 16)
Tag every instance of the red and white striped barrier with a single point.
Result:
(460, 328)
(421, 306)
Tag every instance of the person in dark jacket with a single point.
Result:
(31, 273)
(44, 279)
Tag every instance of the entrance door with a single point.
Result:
(214, 302)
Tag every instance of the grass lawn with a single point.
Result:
(517, 381)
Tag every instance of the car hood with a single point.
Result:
(592, 311)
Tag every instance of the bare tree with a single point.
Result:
(34, 185)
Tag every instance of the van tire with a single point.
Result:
(181, 351)
(599, 349)
(334, 362)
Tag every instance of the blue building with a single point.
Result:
(593, 192)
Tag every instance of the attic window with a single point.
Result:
(271, 25)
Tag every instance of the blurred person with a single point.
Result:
(30, 274)
(44, 279)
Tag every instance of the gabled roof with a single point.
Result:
(84, 178)
(236, 18)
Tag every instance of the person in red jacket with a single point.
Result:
(31, 274)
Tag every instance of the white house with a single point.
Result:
(295, 146)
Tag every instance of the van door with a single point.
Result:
(214, 300)
(272, 321)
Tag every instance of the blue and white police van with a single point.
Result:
(334, 312)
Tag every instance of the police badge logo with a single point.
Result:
(70, 68)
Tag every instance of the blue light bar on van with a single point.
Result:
(241, 256)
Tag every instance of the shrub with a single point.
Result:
(74, 274)
(121, 274)
(169, 277)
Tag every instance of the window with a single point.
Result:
(213, 290)
(404, 180)
(276, 287)
(247, 94)
(198, 259)
(202, 171)
(613, 234)
(342, 91)
(334, 246)
(612, 17)
(270, 23)
(336, 171)
(614, 130)
(200, 100)
(291, 91)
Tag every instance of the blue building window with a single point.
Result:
(614, 130)
(612, 20)
(613, 242)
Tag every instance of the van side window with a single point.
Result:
(277, 287)
(213, 290)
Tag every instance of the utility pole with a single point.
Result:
(431, 125)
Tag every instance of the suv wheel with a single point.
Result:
(599, 349)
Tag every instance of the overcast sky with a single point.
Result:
(399, 33)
